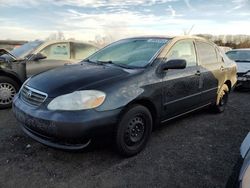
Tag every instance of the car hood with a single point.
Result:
(7, 55)
(243, 67)
(70, 78)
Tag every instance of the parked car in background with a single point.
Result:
(244, 177)
(33, 58)
(126, 88)
(242, 58)
(11, 44)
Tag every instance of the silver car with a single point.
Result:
(242, 58)
(33, 58)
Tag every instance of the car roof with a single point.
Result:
(150, 37)
(169, 37)
(57, 41)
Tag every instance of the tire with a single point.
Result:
(133, 131)
(8, 89)
(222, 99)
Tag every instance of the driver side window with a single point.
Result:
(184, 50)
(59, 51)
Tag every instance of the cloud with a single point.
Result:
(123, 19)
(83, 3)
(20, 3)
(239, 4)
(113, 3)
(86, 19)
(173, 12)
(187, 2)
(23, 33)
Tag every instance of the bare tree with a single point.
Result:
(59, 35)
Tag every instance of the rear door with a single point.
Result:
(211, 68)
(181, 91)
(57, 54)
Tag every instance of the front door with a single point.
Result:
(57, 55)
(181, 88)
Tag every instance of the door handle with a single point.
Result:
(198, 73)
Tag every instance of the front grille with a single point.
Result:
(32, 96)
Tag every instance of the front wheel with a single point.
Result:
(134, 130)
(8, 89)
(222, 99)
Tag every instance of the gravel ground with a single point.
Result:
(199, 150)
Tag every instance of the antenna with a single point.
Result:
(190, 30)
(187, 32)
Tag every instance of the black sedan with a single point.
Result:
(127, 88)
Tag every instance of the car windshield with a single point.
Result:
(129, 53)
(239, 56)
(26, 49)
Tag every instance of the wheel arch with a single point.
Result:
(12, 76)
(229, 84)
(149, 105)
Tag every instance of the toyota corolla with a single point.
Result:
(126, 89)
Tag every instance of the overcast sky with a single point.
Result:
(86, 19)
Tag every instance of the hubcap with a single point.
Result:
(7, 92)
(135, 131)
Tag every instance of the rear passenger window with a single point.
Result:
(81, 51)
(184, 50)
(58, 51)
(206, 52)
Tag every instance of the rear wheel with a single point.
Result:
(8, 89)
(222, 99)
(134, 130)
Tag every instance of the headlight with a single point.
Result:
(78, 100)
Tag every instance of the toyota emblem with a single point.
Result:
(29, 93)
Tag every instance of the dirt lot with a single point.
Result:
(199, 150)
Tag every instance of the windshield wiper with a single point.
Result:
(116, 64)
(105, 62)
(99, 62)
(89, 61)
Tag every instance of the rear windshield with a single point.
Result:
(240, 56)
(130, 52)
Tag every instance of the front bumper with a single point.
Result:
(243, 84)
(63, 129)
(243, 80)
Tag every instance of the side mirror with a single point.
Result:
(38, 56)
(173, 64)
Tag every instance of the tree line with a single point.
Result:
(245, 44)
(232, 41)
